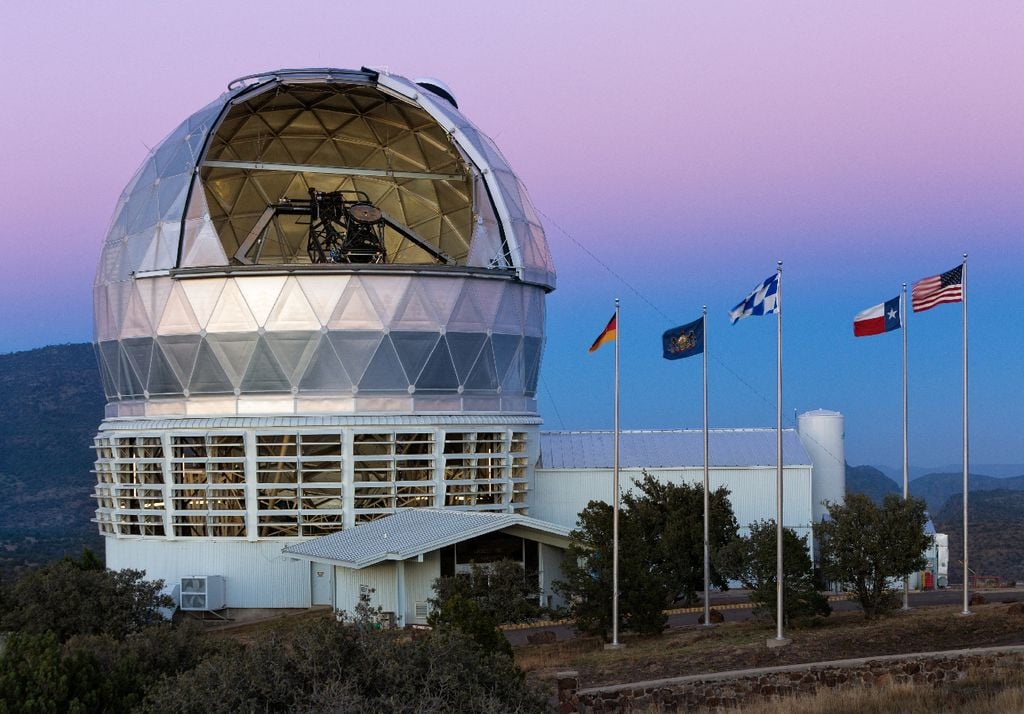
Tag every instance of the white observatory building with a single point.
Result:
(319, 318)
(321, 299)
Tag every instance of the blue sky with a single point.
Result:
(687, 146)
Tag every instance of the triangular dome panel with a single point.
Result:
(140, 352)
(261, 293)
(153, 293)
(355, 310)
(323, 293)
(264, 373)
(355, 349)
(509, 317)
(181, 351)
(231, 313)
(514, 379)
(162, 379)
(413, 349)
(415, 311)
(293, 351)
(177, 317)
(483, 376)
(234, 351)
(202, 295)
(384, 373)
(438, 374)
(292, 310)
(532, 347)
(209, 376)
(505, 349)
(325, 373)
(109, 357)
(128, 378)
(136, 321)
(387, 292)
(465, 348)
(442, 295)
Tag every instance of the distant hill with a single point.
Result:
(936, 489)
(51, 402)
(870, 481)
(996, 533)
(916, 472)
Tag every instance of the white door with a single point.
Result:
(322, 588)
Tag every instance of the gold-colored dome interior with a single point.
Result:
(278, 144)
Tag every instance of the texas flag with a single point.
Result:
(878, 319)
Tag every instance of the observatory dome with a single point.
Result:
(322, 240)
(321, 299)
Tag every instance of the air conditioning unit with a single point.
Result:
(202, 593)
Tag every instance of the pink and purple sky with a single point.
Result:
(689, 145)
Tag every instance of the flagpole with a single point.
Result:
(615, 487)
(963, 287)
(906, 458)
(707, 497)
(779, 637)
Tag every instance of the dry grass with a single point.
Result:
(741, 645)
(993, 692)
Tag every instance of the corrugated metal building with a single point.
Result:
(575, 467)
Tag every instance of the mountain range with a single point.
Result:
(935, 488)
(51, 402)
(916, 472)
(996, 533)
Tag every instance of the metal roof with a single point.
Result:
(319, 421)
(411, 532)
(669, 448)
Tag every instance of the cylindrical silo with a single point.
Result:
(822, 433)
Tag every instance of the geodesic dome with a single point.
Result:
(273, 136)
(208, 285)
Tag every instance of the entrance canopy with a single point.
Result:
(415, 532)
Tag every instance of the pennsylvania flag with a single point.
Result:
(607, 335)
(683, 341)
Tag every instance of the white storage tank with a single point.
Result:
(822, 433)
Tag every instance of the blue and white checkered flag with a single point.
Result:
(763, 301)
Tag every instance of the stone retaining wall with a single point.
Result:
(742, 686)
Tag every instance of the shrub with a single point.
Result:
(753, 561)
(866, 547)
(661, 555)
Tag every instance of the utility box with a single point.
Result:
(202, 593)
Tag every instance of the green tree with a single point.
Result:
(502, 589)
(661, 555)
(587, 570)
(669, 518)
(460, 614)
(475, 604)
(867, 548)
(324, 665)
(38, 673)
(753, 561)
(88, 560)
(71, 598)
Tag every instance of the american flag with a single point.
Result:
(938, 289)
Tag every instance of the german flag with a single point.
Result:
(607, 335)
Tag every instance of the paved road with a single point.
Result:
(734, 605)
